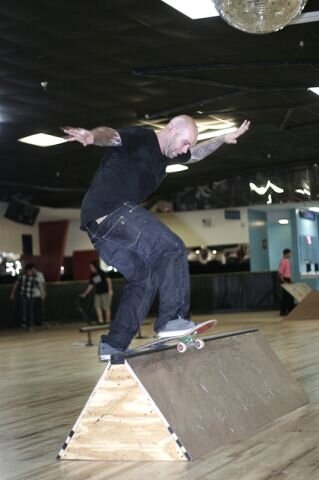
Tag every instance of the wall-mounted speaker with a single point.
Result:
(22, 212)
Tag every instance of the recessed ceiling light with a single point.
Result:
(42, 140)
(176, 168)
(194, 8)
(314, 90)
(314, 209)
(283, 221)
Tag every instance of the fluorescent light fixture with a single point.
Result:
(258, 223)
(42, 140)
(314, 209)
(269, 201)
(303, 191)
(194, 8)
(283, 221)
(314, 90)
(176, 168)
(215, 133)
(275, 188)
(263, 190)
(306, 18)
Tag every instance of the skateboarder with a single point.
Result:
(131, 239)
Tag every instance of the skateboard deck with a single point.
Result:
(183, 342)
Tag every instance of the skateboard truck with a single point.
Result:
(190, 341)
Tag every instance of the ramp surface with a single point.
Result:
(222, 393)
(164, 405)
(307, 309)
(298, 291)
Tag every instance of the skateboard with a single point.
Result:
(183, 342)
(79, 308)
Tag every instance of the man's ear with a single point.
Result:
(171, 130)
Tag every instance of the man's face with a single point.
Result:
(180, 141)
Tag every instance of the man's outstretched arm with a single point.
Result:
(203, 149)
(100, 136)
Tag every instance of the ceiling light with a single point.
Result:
(42, 140)
(275, 188)
(314, 90)
(283, 221)
(176, 168)
(306, 18)
(314, 209)
(194, 8)
(303, 191)
(263, 190)
(215, 133)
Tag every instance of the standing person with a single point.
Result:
(284, 273)
(128, 237)
(102, 284)
(25, 285)
(39, 295)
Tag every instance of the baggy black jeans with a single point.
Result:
(151, 257)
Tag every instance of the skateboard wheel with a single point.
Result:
(181, 347)
(199, 344)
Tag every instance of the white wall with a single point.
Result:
(188, 225)
(76, 239)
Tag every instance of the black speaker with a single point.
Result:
(22, 212)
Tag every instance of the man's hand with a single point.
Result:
(232, 137)
(99, 136)
(81, 135)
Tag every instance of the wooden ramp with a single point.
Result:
(298, 291)
(164, 405)
(307, 309)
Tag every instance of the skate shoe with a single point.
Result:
(175, 328)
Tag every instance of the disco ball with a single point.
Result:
(259, 16)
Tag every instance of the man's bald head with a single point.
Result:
(185, 123)
(179, 135)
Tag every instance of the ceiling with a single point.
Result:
(140, 62)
